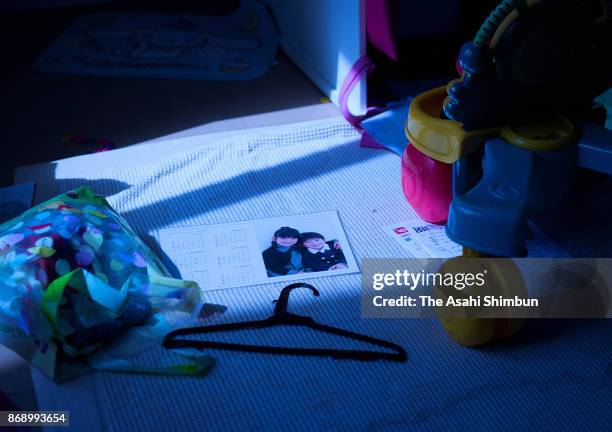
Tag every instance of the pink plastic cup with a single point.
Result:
(427, 185)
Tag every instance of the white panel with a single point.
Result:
(324, 38)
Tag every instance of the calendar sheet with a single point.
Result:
(260, 251)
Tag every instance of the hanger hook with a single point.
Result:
(283, 299)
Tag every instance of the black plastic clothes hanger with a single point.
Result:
(282, 317)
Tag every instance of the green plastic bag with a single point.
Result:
(75, 279)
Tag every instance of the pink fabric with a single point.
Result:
(378, 27)
(368, 141)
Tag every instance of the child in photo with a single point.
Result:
(282, 258)
(319, 255)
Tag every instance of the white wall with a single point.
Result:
(324, 38)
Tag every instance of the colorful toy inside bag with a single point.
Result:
(73, 275)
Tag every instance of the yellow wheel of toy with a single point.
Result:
(471, 325)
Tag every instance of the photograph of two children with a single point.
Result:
(304, 246)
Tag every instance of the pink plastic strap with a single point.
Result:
(360, 69)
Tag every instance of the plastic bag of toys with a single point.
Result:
(73, 278)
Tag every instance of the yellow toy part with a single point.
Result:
(509, 283)
(467, 326)
(551, 134)
(439, 138)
